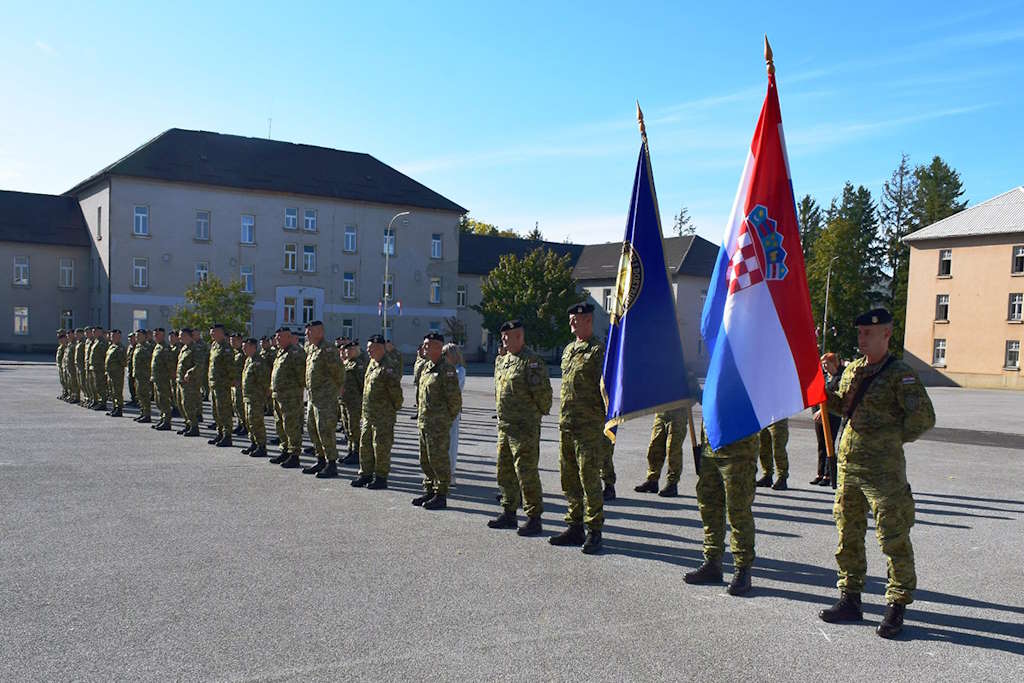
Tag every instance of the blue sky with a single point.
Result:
(525, 111)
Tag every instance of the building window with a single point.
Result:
(291, 219)
(435, 245)
(1012, 355)
(67, 319)
(1018, 261)
(140, 272)
(289, 257)
(245, 274)
(203, 225)
(288, 314)
(346, 328)
(21, 320)
(308, 311)
(389, 242)
(309, 258)
(66, 272)
(140, 318)
(309, 220)
(945, 262)
(99, 223)
(248, 229)
(202, 271)
(942, 308)
(140, 227)
(388, 288)
(939, 353)
(1016, 307)
(435, 290)
(434, 326)
(460, 296)
(348, 286)
(606, 299)
(350, 239)
(21, 271)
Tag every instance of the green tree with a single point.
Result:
(896, 211)
(939, 190)
(473, 226)
(682, 223)
(536, 289)
(535, 235)
(455, 330)
(211, 301)
(847, 289)
(808, 215)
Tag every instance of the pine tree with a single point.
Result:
(535, 235)
(847, 290)
(683, 224)
(896, 211)
(808, 215)
(938, 193)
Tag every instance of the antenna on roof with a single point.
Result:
(270, 123)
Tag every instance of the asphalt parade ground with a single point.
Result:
(131, 554)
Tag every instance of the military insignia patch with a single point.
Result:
(628, 284)
(909, 380)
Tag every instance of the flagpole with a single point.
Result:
(693, 442)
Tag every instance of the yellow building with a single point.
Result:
(965, 296)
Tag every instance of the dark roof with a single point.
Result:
(42, 219)
(479, 254)
(191, 156)
(689, 255)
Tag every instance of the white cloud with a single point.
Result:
(45, 47)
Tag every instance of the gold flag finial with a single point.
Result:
(640, 120)
(769, 59)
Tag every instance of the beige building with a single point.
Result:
(44, 243)
(965, 296)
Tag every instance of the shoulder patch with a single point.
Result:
(533, 364)
(909, 380)
(390, 370)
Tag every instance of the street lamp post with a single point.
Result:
(824, 314)
(389, 240)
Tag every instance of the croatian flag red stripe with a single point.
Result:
(757, 319)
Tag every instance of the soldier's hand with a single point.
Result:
(830, 363)
(817, 417)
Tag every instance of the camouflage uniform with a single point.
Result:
(268, 355)
(237, 397)
(221, 376)
(774, 438)
(142, 362)
(131, 370)
(98, 361)
(175, 350)
(873, 471)
(113, 365)
(667, 437)
(161, 373)
(59, 363)
(439, 400)
(725, 487)
(352, 399)
(80, 367)
(417, 370)
(522, 391)
(202, 353)
(255, 383)
(394, 358)
(382, 397)
(188, 375)
(71, 370)
(584, 449)
(324, 378)
(286, 382)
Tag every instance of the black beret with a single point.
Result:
(581, 307)
(236, 334)
(376, 339)
(283, 329)
(315, 323)
(351, 345)
(251, 340)
(115, 332)
(876, 316)
(159, 329)
(510, 325)
(264, 338)
(433, 336)
(186, 330)
(217, 326)
(141, 330)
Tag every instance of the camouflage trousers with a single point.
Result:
(131, 384)
(288, 408)
(191, 402)
(99, 386)
(255, 422)
(890, 500)
(83, 382)
(352, 413)
(115, 385)
(435, 439)
(238, 402)
(74, 391)
(582, 455)
(220, 406)
(321, 421)
(375, 441)
(667, 437)
(773, 443)
(725, 487)
(518, 476)
(144, 395)
(162, 389)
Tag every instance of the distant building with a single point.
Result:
(965, 295)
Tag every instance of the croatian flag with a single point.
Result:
(757, 319)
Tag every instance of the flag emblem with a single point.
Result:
(629, 282)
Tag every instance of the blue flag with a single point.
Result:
(643, 363)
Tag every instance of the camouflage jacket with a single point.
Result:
(324, 374)
(201, 350)
(131, 359)
(382, 392)
(80, 355)
(61, 351)
(417, 369)
(255, 378)
(522, 388)
(161, 368)
(394, 358)
(142, 361)
(240, 364)
(268, 355)
(438, 395)
(222, 364)
(115, 359)
(98, 358)
(894, 410)
(355, 376)
(582, 402)
(288, 374)
(186, 368)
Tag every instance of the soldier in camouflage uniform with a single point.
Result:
(325, 375)
(161, 373)
(70, 367)
(394, 357)
(382, 397)
(667, 437)
(255, 383)
(237, 399)
(352, 398)
(583, 446)
(131, 367)
(522, 391)
(287, 380)
(59, 364)
(114, 363)
(417, 370)
(98, 360)
(885, 406)
(81, 352)
(439, 402)
(142, 361)
(174, 346)
(725, 488)
(202, 353)
(774, 438)
(267, 354)
(188, 375)
(75, 361)
(221, 375)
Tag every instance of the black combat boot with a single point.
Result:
(193, 432)
(506, 520)
(239, 430)
(362, 480)
(533, 527)
(292, 462)
(211, 425)
(573, 535)
(649, 486)
(709, 572)
(116, 412)
(249, 449)
(260, 452)
(182, 430)
(315, 467)
(438, 502)
(352, 458)
(592, 545)
(780, 484)
(766, 480)
(278, 459)
(145, 419)
(101, 406)
(274, 441)
(309, 450)
(670, 490)
(892, 623)
(609, 492)
(420, 500)
(847, 609)
(225, 441)
(329, 471)
(162, 427)
(378, 484)
(740, 583)
(215, 439)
